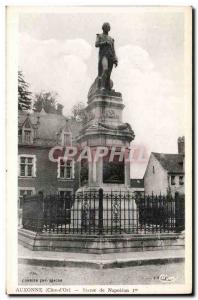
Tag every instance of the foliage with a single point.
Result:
(78, 111)
(24, 95)
(47, 101)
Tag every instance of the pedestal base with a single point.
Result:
(100, 244)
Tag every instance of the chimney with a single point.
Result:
(59, 109)
(181, 145)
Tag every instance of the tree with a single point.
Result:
(78, 111)
(24, 95)
(46, 100)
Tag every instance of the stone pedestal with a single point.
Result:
(104, 128)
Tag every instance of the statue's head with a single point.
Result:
(106, 27)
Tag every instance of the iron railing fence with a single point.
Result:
(101, 212)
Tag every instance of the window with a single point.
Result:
(153, 170)
(22, 193)
(65, 169)
(27, 166)
(172, 180)
(67, 139)
(27, 136)
(181, 180)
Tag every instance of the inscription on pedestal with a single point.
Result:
(110, 114)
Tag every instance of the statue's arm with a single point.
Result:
(98, 42)
(115, 56)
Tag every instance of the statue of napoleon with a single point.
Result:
(107, 58)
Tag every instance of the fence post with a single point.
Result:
(40, 215)
(23, 211)
(179, 212)
(100, 223)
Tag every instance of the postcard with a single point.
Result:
(99, 150)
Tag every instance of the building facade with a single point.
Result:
(38, 134)
(165, 173)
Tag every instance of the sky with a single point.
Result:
(57, 53)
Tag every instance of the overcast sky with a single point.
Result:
(57, 52)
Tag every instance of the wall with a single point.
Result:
(157, 182)
(177, 187)
(46, 172)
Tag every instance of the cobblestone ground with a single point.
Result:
(151, 274)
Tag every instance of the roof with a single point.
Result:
(137, 183)
(173, 163)
(50, 124)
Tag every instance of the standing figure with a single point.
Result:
(107, 57)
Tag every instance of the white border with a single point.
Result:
(61, 2)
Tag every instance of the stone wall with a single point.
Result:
(177, 187)
(156, 182)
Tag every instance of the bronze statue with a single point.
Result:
(107, 57)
